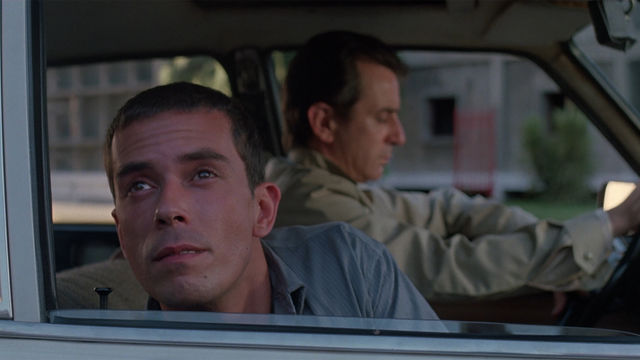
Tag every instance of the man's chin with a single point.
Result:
(376, 175)
(178, 302)
(180, 294)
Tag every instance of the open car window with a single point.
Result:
(466, 115)
(471, 120)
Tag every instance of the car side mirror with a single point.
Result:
(613, 193)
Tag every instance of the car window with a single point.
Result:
(81, 99)
(620, 68)
(81, 102)
(470, 120)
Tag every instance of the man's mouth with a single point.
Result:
(177, 253)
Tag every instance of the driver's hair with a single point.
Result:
(187, 97)
(325, 70)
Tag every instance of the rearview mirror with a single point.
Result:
(612, 22)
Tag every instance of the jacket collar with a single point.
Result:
(312, 158)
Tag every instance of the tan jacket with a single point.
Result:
(450, 245)
(75, 286)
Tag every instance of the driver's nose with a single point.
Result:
(397, 136)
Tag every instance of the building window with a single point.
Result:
(441, 116)
(117, 74)
(553, 101)
(90, 76)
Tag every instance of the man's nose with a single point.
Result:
(397, 136)
(171, 208)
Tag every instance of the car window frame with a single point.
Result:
(26, 200)
(501, 51)
(5, 280)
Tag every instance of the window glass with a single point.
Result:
(621, 68)
(466, 118)
(81, 101)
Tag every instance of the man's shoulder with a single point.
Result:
(334, 236)
(304, 167)
(285, 172)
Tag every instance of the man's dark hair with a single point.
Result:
(325, 69)
(187, 97)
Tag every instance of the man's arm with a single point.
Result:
(455, 261)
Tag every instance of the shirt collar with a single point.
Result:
(312, 158)
(287, 290)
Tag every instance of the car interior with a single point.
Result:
(505, 54)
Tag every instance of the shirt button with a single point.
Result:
(588, 256)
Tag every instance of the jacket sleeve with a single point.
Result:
(454, 247)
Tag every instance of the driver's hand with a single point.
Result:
(559, 303)
(626, 216)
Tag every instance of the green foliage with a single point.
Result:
(201, 70)
(561, 155)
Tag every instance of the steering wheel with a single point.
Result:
(587, 313)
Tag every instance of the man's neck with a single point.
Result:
(324, 150)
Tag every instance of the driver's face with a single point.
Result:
(364, 142)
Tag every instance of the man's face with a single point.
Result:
(363, 143)
(183, 209)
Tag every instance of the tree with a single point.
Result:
(560, 155)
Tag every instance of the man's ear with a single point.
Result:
(322, 121)
(267, 197)
(114, 215)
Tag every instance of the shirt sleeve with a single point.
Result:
(393, 294)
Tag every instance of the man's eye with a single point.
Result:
(139, 186)
(384, 118)
(205, 174)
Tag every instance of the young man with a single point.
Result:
(193, 212)
(341, 108)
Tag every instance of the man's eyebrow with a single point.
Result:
(132, 167)
(389, 109)
(203, 154)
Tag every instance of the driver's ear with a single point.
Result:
(267, 198)
(322, 121)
